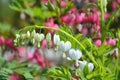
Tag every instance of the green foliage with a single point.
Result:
(62, 73)
(3, 76)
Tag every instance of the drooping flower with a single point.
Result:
(51, 24)
(84, 63)
(56, 39)
(98, 43)
(9, 43)
(75, 54)
(90, 67)
(64, 46)
(111, 42)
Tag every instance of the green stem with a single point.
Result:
(102, 20)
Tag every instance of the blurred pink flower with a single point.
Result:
(69, 19)
(111, 42)
(44, 44)
(29, 56)
(21, 51)
(114, 5)
(2, 41)
(98, 43)
(39, 58)
(63, 3)
(9, 43)
(51, 24)
(84, 31)
(118, 1)
(107, 15)
(14, 77)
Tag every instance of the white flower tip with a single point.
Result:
(91, 67)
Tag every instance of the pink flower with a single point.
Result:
(2, 41)
(107, 15)
(79, 18)
(111, 42)
(63, 4)
(9, 43)
(21, 51)
(39, 58)
(44, 1)
(51, 24)
(69, 19)
(44, 44)
(98, 43)
(118, 1)
(14, 77)
(29, 56)
(84, 31)
(114, 5)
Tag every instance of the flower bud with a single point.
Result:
(90, 67)
(33, 33)
(56, 39)
(48, 37)
(23, 36)
(17, 36)
(28, 34)
(75, 55)
(82, 64)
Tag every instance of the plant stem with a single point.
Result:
(102, 20)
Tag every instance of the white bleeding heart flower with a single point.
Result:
(39, 37)
(75, 54)
(67, 46)
(56, 39)
(17, 36)
(48, 37)
(82, 64)
(42, 36)
(33, 33)
(28, 34)
(91, 67)
(61, 45)
(64, 46)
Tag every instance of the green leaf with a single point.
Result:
(28, 76)
(2, 61)
(3, 76)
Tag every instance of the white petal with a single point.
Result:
(79, 54)
(48, 37)
(72, 54)
(82, 64)
(91, 67)
(56, 39)
(67, 46)
(62, 46)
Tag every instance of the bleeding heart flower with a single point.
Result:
(63, 4)
(90, 67)
(75, 54)
(98, 43)
(56, 39)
